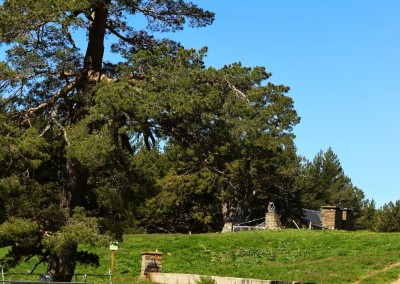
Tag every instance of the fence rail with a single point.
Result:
(238, 228)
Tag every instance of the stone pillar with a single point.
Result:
(272, 221)
(347, 219)
(331, 217)
(151, 262)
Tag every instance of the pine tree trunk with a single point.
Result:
(62, 267)
(97, 29)
(227, 213)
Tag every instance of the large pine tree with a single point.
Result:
(58, 155)
(74, 125)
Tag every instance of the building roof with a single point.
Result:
(312, 216)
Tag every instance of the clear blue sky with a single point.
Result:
(342, 61)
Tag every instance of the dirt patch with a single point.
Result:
(397, 281)
(379, 271)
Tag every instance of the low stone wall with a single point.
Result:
(177, 278)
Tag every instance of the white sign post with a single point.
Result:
(113, 249)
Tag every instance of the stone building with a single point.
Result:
(330, 217)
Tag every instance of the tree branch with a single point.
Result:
(53, 119)
(239, 93)
(218, 172)
(53, 100)
(117, 34)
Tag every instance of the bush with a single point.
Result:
(205, 280)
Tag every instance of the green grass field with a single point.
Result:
(302, 255)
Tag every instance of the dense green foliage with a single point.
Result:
(387, 218)
(323, 181)
(302, 255)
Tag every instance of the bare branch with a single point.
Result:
(36, 265)
(68, 35)
(45, 130)
(62, 129)
(53, 119)
(239, 93)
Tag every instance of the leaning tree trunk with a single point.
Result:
(62, 267)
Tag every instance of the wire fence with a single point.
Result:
(242, 227)
(17, 278)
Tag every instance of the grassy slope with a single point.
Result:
(302, 255)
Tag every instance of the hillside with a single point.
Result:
(302, 255)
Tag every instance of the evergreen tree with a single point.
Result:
(69, 130)
(367, 217)
(387, 219)
(237, 129)
(323, 182)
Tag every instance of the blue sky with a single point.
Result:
(342, 61)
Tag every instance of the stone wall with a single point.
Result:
(331, 217)
(177, 278)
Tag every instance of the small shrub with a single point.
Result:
(205, 280)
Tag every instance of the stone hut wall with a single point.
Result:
(336, 218)
(331, 217)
